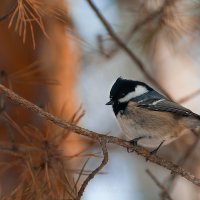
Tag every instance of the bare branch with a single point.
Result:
(101, 46)
(138, 26)
(175, 169)
(189, 151)
(96, 171)
(164, 190)
(149, 18)
(189, 96)
(124, 47)
(181, 162)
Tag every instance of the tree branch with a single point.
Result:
(149, 18)
(97, 170)
(164, 190)
(189, 96)
(181, 162)
(124, 47)
(175, 169)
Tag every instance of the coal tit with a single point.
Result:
(147, 117)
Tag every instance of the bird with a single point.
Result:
(148, 118)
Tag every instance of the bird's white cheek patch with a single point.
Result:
(139, 90)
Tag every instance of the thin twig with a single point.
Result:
(126, 49)
(175, 169)
(189, 96)
(101, 48)
(149, 18)
(141, 24)
(182, 161)
(96, 171)
(164, 190)
(189, 151)
(19, 148)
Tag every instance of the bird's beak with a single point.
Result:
(110, 102)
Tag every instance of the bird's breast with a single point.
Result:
(154, 125)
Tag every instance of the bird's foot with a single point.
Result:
(134, 142)
(154, 152)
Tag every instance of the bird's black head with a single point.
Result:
(123, 90)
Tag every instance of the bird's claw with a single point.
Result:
(134, 142)
(154, 152)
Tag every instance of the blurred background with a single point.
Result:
(63, 56)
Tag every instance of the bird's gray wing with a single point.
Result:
(158, 102)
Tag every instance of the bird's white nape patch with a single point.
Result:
(139, 90)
